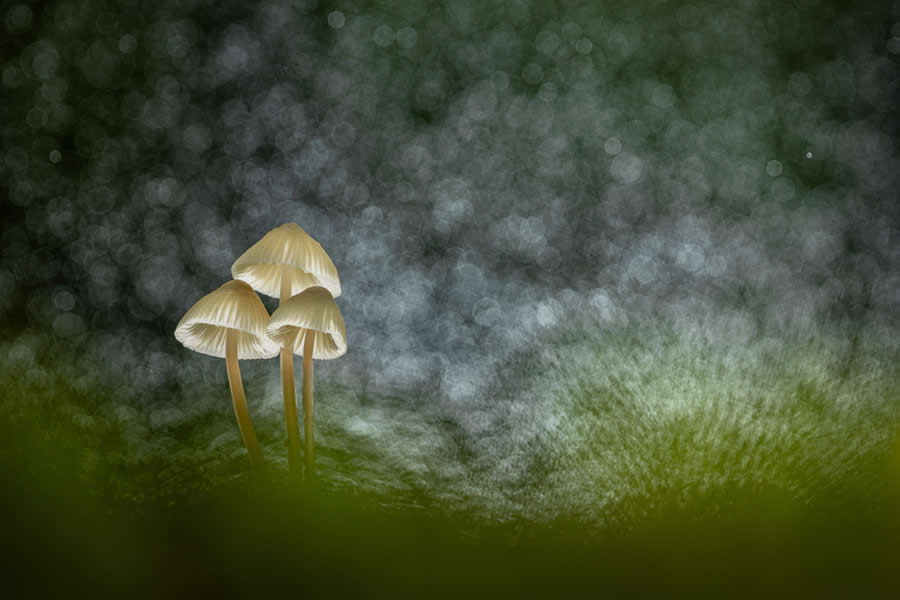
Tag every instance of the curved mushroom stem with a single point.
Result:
(239, 400)
(287, 390)
(308, 345)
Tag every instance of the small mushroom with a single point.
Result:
(230, 323)
(286, 261)
(310, 325)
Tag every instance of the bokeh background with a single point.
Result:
(600, 260)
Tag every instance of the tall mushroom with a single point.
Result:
(230, 323)
(310, 325)
(286, 261)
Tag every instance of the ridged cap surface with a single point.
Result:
(236, 306)
(312, 310)
(287, 250)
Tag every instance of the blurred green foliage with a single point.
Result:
(79, 516)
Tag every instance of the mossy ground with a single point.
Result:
(731, 494)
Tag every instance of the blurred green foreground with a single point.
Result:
(81, 520)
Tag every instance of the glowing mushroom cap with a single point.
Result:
(312, 310)
(236, 306)
(287, 250)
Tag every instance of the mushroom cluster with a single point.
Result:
(233, 323)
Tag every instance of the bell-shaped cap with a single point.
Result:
(287, 251)
(312, 311)
(236, 306)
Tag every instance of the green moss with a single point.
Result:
(647, 464)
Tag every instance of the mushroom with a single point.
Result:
(310, 325)
(230, 323)
(286, 261)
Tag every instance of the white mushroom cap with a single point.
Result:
(312, 310)
(234, 305)
(290, 250)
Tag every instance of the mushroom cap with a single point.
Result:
(287, 250)
(311, 310)
(234, 305)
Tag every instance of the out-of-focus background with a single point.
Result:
(609, 268)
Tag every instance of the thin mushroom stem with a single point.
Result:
(241, 413)
(287, 389)
(308, 345)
